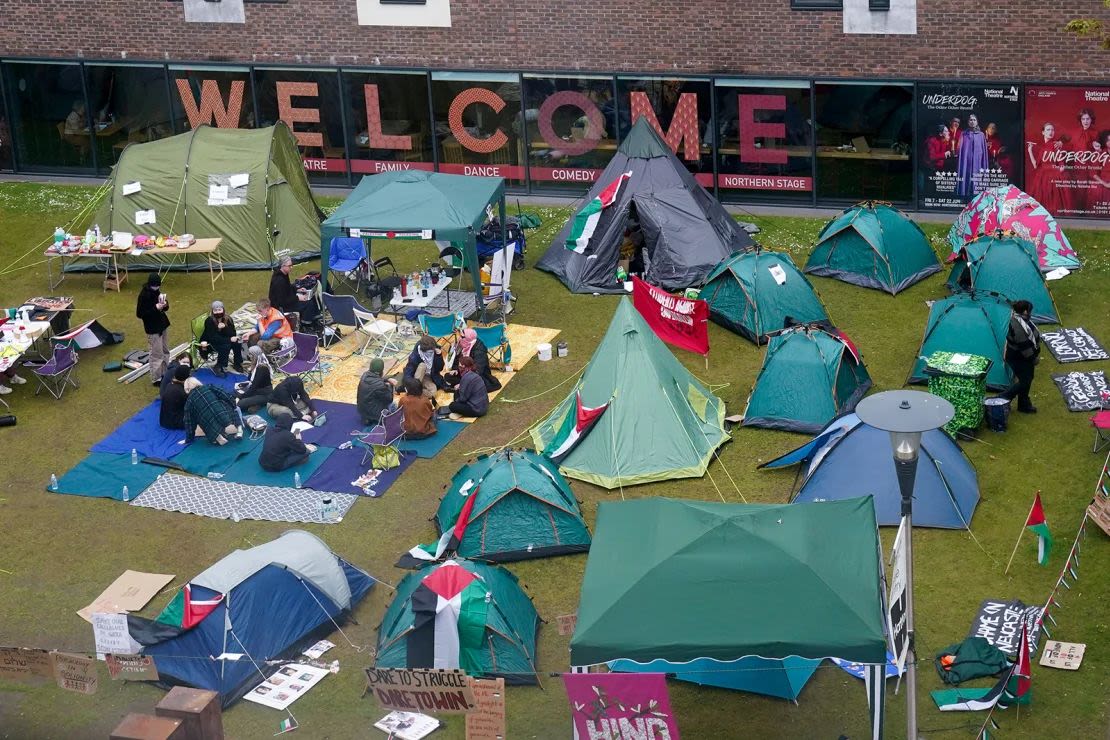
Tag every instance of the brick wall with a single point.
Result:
(956, 38)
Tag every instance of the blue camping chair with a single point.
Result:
(496, 341)
(347, 261)
(442, 328)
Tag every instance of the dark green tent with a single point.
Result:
(809, 377)
(461, 614)
(873, 245)
(520, 507)
(272, 213)
(752, 293)
(1008, 266)
(971, 323)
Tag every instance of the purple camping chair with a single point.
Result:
(57, 372)
(389, 429)
(305, 363)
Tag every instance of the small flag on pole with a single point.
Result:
(1039, 526)
(287, 725)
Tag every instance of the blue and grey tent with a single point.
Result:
(267, 603)
(784, 678)
(945, 494)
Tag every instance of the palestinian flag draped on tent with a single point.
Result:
(1012, 688)
(574, 428)
(585, 221)
(1037, 524)
(88, 335)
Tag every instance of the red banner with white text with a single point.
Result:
(682, 322)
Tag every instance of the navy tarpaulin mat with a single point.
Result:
(102, 475)
(446, 430)
(143, 433)
(206, 376)
(343, 467)
(339, 421)
(247, 470)
(201, 457)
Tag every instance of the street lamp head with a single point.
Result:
(905, 414)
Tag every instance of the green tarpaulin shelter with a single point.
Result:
(413, 204)
(809, 377)
(974, 324)
(681, 580)
(873, 245)
(194, 184)
(1008, 266)
(523, 508)
(752, 293)
(661, 424)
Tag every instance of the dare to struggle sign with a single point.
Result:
(421, 690)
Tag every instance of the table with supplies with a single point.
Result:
(114, 259)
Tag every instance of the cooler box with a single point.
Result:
(960, 379)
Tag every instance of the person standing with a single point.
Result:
(1023, 350)
(151, 309)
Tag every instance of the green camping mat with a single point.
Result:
(972, 658)
(202, 457)
(446, 430)
(246, 470)
(960, 379)
(104, 474)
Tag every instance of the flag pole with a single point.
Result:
(1023, 525)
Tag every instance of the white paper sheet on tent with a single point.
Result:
(778, 274)
(217, 192)
(238, 181)
(144, 217)
(130, 188)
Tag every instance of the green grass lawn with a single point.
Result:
(61, 551)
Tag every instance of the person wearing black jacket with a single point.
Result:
(219, 334)
(425, 363)
(171, 415)
(471, 346)
(151, 310)
(375, 393)
(290, 398)
(287, 299)
(1023, 350)
(281, 448)
(256, 390)
(183, 359)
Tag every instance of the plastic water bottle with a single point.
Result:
(215, 476)
(134, 456)
(126, 494)
(235, 515)
(53, 482)
(296, 480)
(59, 235)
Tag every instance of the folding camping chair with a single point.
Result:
(441, 328)
(305, 361)
(387, 432)
(57, 372)
(1101, 423)
(496, 291)
(497, 342)
(346, 311)
(347, 262)
(199, 361)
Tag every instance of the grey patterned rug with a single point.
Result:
(218, 500)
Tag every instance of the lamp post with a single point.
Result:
(906, 415)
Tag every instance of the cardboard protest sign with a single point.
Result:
(128, 593)
(19, 664)
(1065, 655)
(1082, 391)
(131, 668)
(620, 706)
(1074, 345)
(422, 690)
(75, 673)
(999, 623)
(487, 722)
(566, 623)
(111, 635)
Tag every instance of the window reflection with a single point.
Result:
(128, 104)
(477, 124)
(680, 109)
(388, 121)
(48, 116)
(308, 102)
(572, 133)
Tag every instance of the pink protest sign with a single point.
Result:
(620, 706)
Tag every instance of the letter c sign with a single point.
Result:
(464, 100)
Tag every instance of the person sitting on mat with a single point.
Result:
(281, 448)
(290, 398)
(471, 346)
(426, 365)
(254, 392)
(172, 413)
(182, 359)
(219, 334)
(210, 410)
(471, 397)
(375, 393)
(419, 417)
(272, 331)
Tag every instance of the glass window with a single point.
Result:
(48, 116)
(6, 162)
(307, 100)
(388, 121)
(572, 134)
(864, 133)
(477, 124)
(216, 96)
(680, 110)
(128, 104)
(766, 140)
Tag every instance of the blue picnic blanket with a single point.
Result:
(143, 433)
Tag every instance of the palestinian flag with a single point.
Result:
(88, 335)
(1017, 691)
(585, 221)
(1039, 526)
(849, 344)
(185, 611)
(574, 428)
(449, 619)
(449, 540)
(972, 700)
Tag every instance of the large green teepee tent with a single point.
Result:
(754, 292)
(873, 245)
(809, 377)
(661, 422)
(974, 324)
(511, 505)
(1008, 266)
(194, 184)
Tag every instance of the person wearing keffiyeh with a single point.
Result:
(1023, 350)
(471, 346)
(425, 363)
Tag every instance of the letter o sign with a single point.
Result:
(576, 100)
(464, 100)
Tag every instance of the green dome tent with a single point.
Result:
(873, 245)
(1008, 266)
(512, 505)
(809, 377)
(975, 323)
(461, 614)
(752, 293)
(661, 422)
(272, 213)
